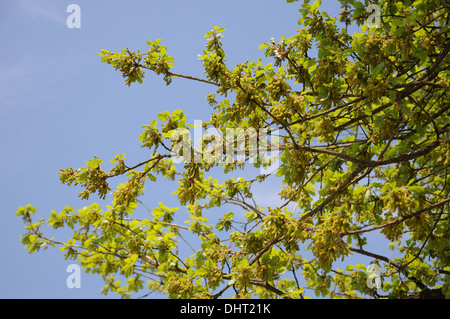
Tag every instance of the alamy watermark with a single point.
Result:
(374, 277)
(236, 145)
(374, 19)
(74, 279)
(74, 19)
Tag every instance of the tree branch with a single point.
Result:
(350, 180)
(192, 78)
(398, 220)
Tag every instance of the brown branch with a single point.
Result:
(400, 268)
(350, 180)
(327, 112)
(265, 248)
(192, 78)
(427, 149)
(332, 153)
(376, 256)
(409, 88)
(262, 107)
(398, 220)
(156, 158)
(269, 287)
(356, 119)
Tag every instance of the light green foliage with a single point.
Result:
(365, 149)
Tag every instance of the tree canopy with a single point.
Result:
(355, 127)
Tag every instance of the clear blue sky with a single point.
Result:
(60, 106)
